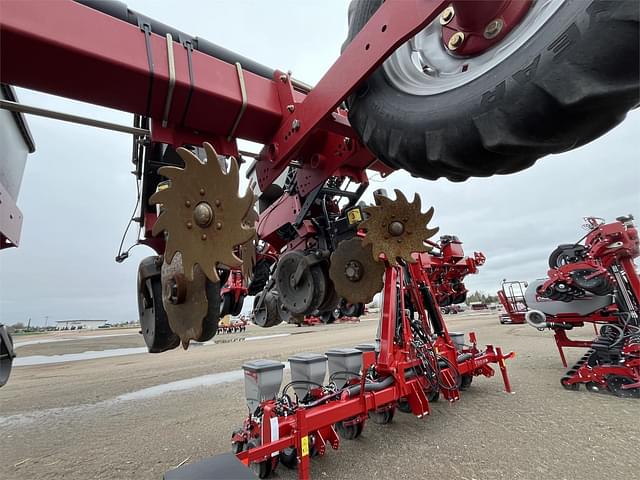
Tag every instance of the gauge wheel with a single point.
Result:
(615, 384)
(465, 382)
(289, 457)
(569, 386)
(154, 323)
(382, 417)
(264, 468)
(403, 406)
(349, 432)
(565, 75)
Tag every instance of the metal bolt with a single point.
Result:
(447, 15)
(291, 108)
(204, 236)
(283, 78)
(493, 28)
(353, 271)
(202, 192)
(217, 203)
(219, 225)
(189, 225)
(396, 228)
(456, 41)
(203, 214)
(187, 203)
(295, 125)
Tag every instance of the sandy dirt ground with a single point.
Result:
(101, 419)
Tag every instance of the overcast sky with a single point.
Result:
(77, 194)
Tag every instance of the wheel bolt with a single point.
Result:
(396, 228)
(493, 28)
(447, 15)
(203, 214)
(456, 41)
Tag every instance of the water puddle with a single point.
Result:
(56, 413)
(74, 357)
(119, 352)
(55, 340)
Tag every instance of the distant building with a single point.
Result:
(79, 324)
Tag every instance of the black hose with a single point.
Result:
(120, 11)
(370, 387)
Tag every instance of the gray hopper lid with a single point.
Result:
(343, 352)
(307, 357)
(366, 347)
(262, 365)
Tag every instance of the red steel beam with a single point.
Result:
(394, 23)
(67, 49)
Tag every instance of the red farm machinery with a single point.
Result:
(452, 89)
(593, 282)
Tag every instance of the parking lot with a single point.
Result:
(127, 414)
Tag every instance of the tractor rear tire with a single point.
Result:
(574, 78)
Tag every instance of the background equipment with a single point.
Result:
(592, 282)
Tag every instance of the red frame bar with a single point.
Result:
(67, 49)
(394, 23)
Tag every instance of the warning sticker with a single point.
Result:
(354, 216)
(305, 445)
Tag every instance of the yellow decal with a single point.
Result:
(305, 446)
(354, 216)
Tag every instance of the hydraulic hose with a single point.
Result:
(120, 11)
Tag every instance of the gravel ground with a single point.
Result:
(80, 420)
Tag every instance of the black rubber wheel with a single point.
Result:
(382, 417)
(615, 383)
(236, 447)
(226, 305)
(212, 318)
(349, 432)
(445, 301)
(6, 355)
(594, 387)
(572, 80)
(261, 273)
(403, 406)
(351, 309)
(569, 386)
(327, 317)
(154, 324)
(309, 293)
(459, 298)
(599, 285)
(237, 306)
(262, 469)
(465, 382)
(289, 457)
(433, 395)
(565, 254)
(267, 315)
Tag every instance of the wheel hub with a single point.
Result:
(203, 215)
(428, 64)
(356, 276)
(353, 271)
(302, 287)
(474, 27)
(396, 228)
